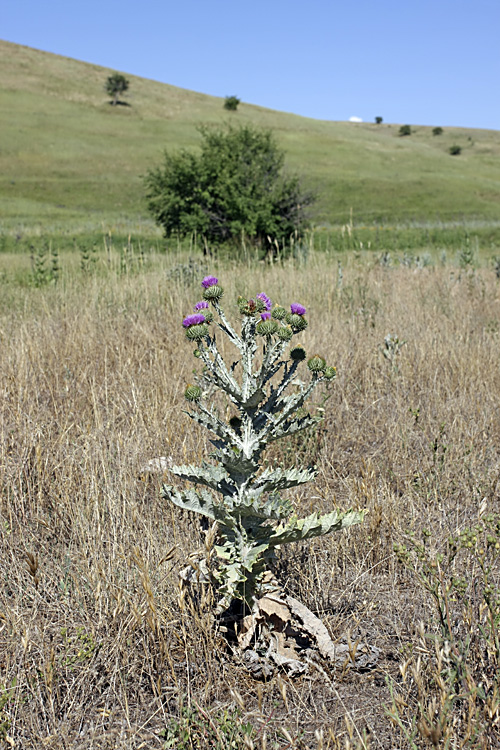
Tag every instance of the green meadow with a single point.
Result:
(72, 164)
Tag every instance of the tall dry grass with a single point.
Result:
(98, 646)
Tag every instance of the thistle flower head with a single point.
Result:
(265, 300)
(209, 281)
(203, 305)
(297, 309)
(246, 306)
(193, 320)
(330, 373)
(265, 316)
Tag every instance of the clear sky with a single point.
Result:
(421, 62)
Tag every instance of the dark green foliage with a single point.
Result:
(379, 120)
(45, 268)
(116, 85)
(455, 150)
(437, 131)
(405, 130)
(235, 188)
(231, 103)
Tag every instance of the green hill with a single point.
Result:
(69, 159)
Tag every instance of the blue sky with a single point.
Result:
(408, 61)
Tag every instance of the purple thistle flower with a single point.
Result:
(265, 315)
(201, 305)
(297, 309)
(265, 299)
(209, 281)
(193, 320)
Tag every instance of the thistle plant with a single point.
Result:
(234, 491)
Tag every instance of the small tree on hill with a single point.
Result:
(405, 130)
(455, 150)
(437, 131)
(235, 188)
(379, 120)
(231, 103)
(116, 85)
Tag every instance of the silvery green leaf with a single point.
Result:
(215, 477)
(281, 479)
(199, 502)
(314, 525)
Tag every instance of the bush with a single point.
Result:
(379, 120)
(437, 131)
(116, 84)
(455, 150)
(405, 130)
(231, 103)
(235, 188)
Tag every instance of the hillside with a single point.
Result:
(70, 160)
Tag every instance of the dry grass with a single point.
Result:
(98, 649)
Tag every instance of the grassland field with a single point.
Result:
(98, 646)
(100, 649)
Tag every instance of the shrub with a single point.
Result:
(235, 188)
(455, 150)
(379, 120)
(231, 103)
(437, 131)
(116, 85)
(405, 130)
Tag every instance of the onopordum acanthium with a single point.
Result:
(234, 491)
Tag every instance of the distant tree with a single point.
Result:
(236, 187)
(116, 85)
(437, 131)
(405, 130)
(231, 103)
(455, 150)
(379, 120)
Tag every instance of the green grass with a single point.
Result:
(69, 162)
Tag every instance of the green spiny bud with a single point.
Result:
(316, 363)
(197, 353)
(213, 293)
(209, 316)
(267, 327)
(330, 373)
(285, 333)
(298, 322)
(198, 332)
(298, 353)
(192, 393)
(278, 312)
